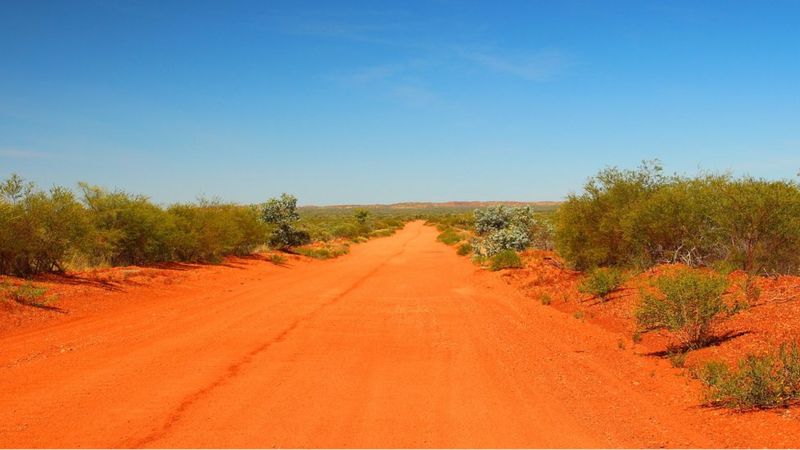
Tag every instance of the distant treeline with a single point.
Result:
(623, 218)
(641, 217)
(50, 231)
(44, 231)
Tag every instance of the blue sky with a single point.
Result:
(362, 102)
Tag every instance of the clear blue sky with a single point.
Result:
(355, 102)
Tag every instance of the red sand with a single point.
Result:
(401, 343)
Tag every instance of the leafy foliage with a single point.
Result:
(688, 304)
(450, 236)
(325, 251)
(282, 214)
(505, 259)
(761, 381)
(38, 230)
(601, 282)
(642, 217)
(26, 294)
(46, 231)
(501, 228)
(324, 224)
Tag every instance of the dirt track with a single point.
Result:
(399, 344)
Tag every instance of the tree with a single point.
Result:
(361, 216)
(282, 214)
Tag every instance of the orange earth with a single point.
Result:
(401, 343)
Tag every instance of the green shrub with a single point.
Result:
(688, 304)
(601, 282)
(327, 223)
(44, 232)
(450, 236)
(464, 249)
(361, 216)
(277, 259)
(501, 228)
(642, 217)
(382, 233)
(677, 358)
(127, 229)
(760, 381)
(506, 259)
(346, 231)
(211, 230)
(27, 294)
(282, 214)
(39, 231)
(510, 228)
(325, 252)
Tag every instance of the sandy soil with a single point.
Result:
(401, 343)
(771, 319)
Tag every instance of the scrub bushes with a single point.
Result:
(450, 236)
(760, 381)
(323, 224)
(601, 282)
(505, 259)
(638, 218)
(282, 214)
(39, 231)
(501, 228)
(687, 303)
(48, 231)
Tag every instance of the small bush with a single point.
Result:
(760, 381)
(450, 236)
(26, 294)
(688, 304)
(749, 292)
(282, 214)
(502, 228)
(643, 217)
(464, 249)
(677, 358)
(361, 216)
(385, 232)
(326, 252)
(39, 231)
(346, 231)
(506, 259)
(277, 259)
(601, 282)
(545, 299)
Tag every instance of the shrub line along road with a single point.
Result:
(402, 343)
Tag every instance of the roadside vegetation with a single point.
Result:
(27, 294)
(495, 235)
(687, 303)
(682, 255)
(328, 224)
(505, 259)
(601, 282)
(640, 218)
(765, 380)
(48, 231)
(59, 229)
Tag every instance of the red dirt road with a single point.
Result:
(402, 343)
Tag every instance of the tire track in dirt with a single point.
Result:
(402, 343)
(234, 369)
